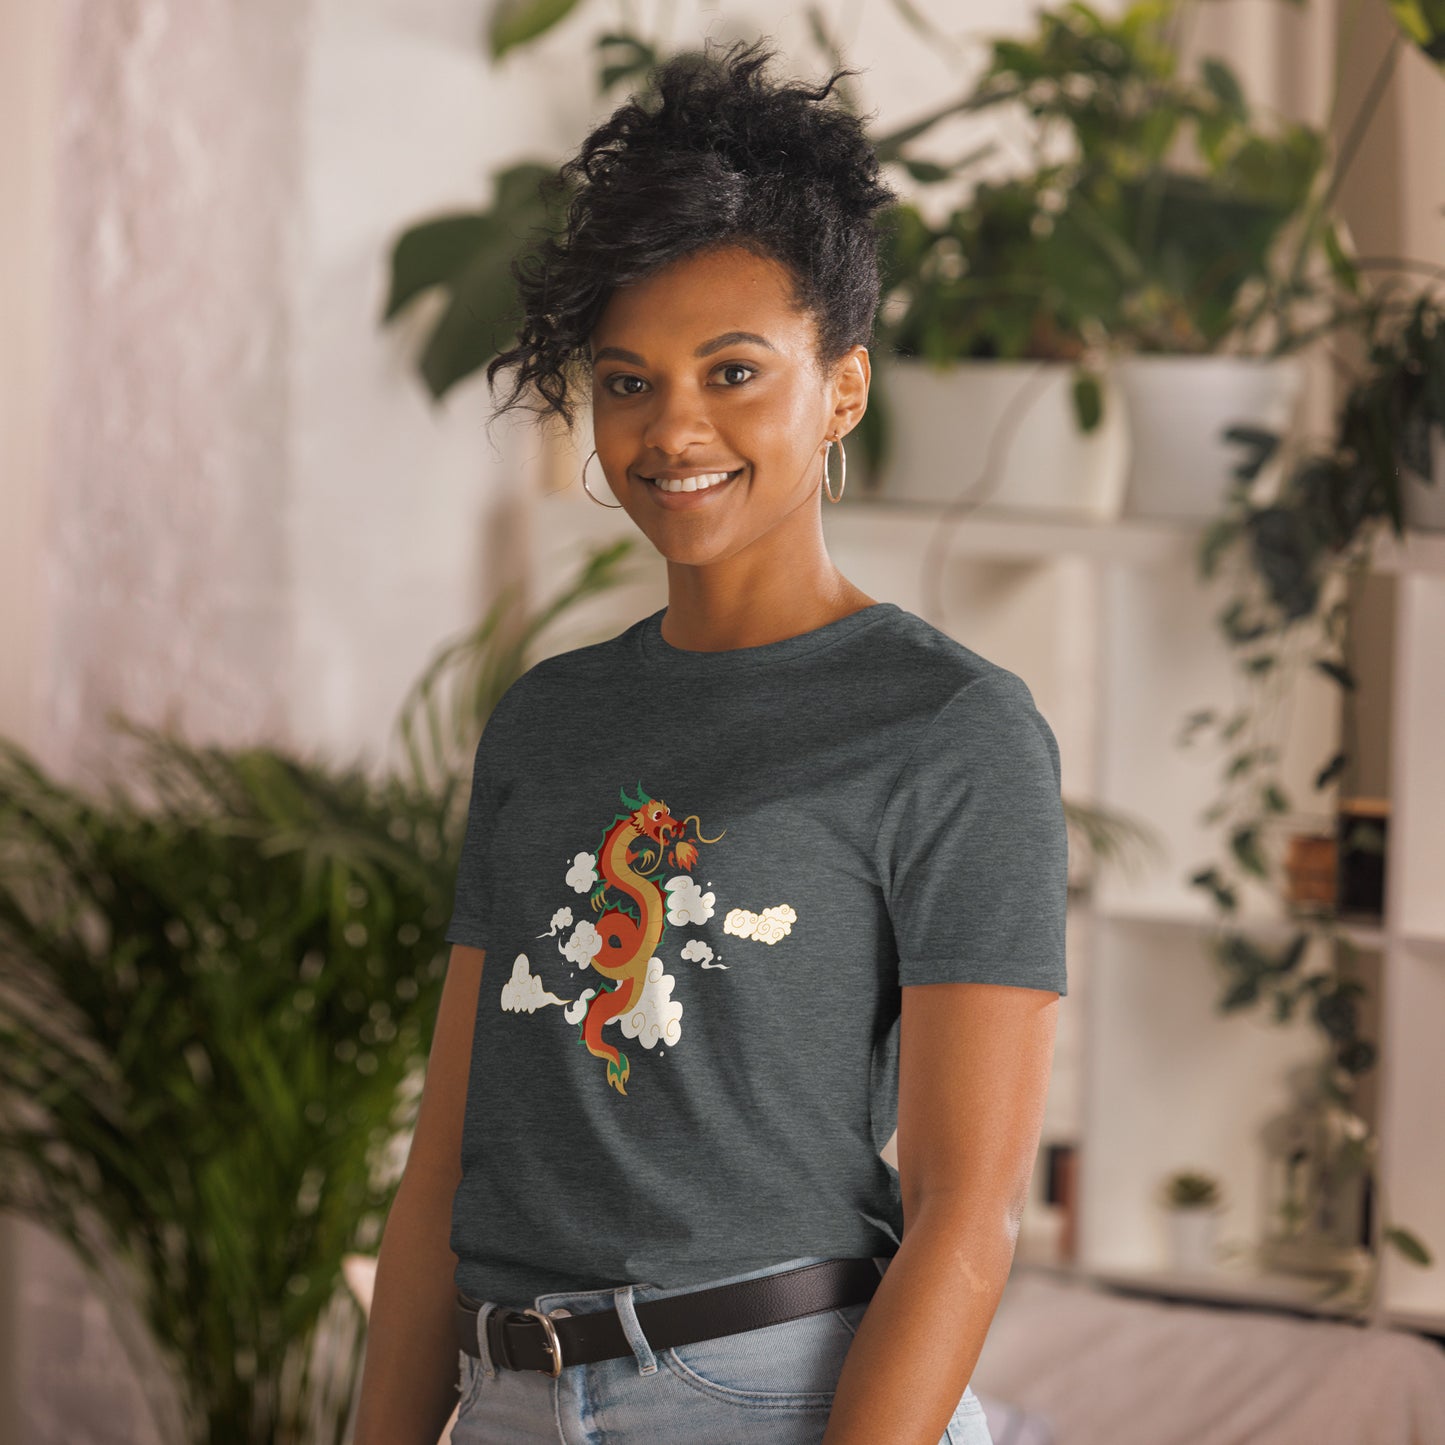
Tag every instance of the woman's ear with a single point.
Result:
(851, 377)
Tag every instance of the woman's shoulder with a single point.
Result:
(914, 653)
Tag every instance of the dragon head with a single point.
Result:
(653, 819)
(651, 816)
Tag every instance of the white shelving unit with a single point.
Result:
(1115, 634)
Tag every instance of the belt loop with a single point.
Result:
(489, 1368)
(632, 1328)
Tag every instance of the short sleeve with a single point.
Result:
(972, 845)
(471, 905)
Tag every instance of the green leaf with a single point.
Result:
(1240, 995)
(1341, 265)
(1407, 1244)
(1423, 21)
(1434, 362)
(1217, 537)
(431, 253)
(1338, 671)
(1259, 446)
(515, 22)
(1210, 878)
(635, 57)
(875, 431)
(915, 18)
(519, 191)
(1224, 86)
(1274, 800)
(1289, 960)
(480, 320)
(887, 147)
(1088, 399)
(928, 172)
(1244, 844)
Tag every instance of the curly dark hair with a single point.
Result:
(714, 155)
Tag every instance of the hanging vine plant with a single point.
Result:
(1295, 557)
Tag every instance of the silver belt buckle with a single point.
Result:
(554, 1345)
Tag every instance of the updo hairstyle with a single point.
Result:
(714, 155)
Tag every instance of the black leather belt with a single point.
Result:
(527, 1339)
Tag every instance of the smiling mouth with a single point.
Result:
(699, 483)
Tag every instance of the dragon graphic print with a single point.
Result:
(641, 896)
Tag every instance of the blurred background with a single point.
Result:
(1158, 422)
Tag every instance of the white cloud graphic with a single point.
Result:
(766, 927)
(686, 902)
(656, 1017)
(524, 991)
(582, 875)
(584, 945)
(576, 1011)
(560, 919)
(697, 949)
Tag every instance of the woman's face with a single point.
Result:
(704, 368)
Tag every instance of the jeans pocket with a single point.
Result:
(969, 1425)
(795, 1363)
(470, 1377)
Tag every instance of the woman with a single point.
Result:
(771, 871)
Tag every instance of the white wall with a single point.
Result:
(29, 45)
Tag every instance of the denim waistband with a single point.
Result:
(579, 1301)
(625, 1298)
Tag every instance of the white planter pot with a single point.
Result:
(1178, 407)
(1014, 417)
(1423, 503)
(1193, 1239)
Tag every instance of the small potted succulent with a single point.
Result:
(1193, 1203)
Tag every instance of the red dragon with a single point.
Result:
(632, 929)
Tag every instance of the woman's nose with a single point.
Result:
(679, 420)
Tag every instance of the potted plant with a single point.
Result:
(215, 1009)
(1165, 227)
(1192, 1201)
(988, 363)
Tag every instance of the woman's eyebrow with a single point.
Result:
(728, 338)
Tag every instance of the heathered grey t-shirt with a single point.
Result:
(701, 880)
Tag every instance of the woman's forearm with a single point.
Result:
(409, 1376)
(922, 1332)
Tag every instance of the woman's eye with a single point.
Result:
(612, 382)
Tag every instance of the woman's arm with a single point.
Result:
(409, 1374)
(973, 1074)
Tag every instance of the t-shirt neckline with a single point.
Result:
(657, 649)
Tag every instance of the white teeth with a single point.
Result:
(690, 484)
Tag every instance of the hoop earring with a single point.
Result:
(843, 478)
(611, 506)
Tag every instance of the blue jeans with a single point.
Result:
(774, 1384)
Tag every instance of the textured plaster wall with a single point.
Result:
(166, 567)
(179, 177)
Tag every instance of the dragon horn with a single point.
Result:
(636, 802)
